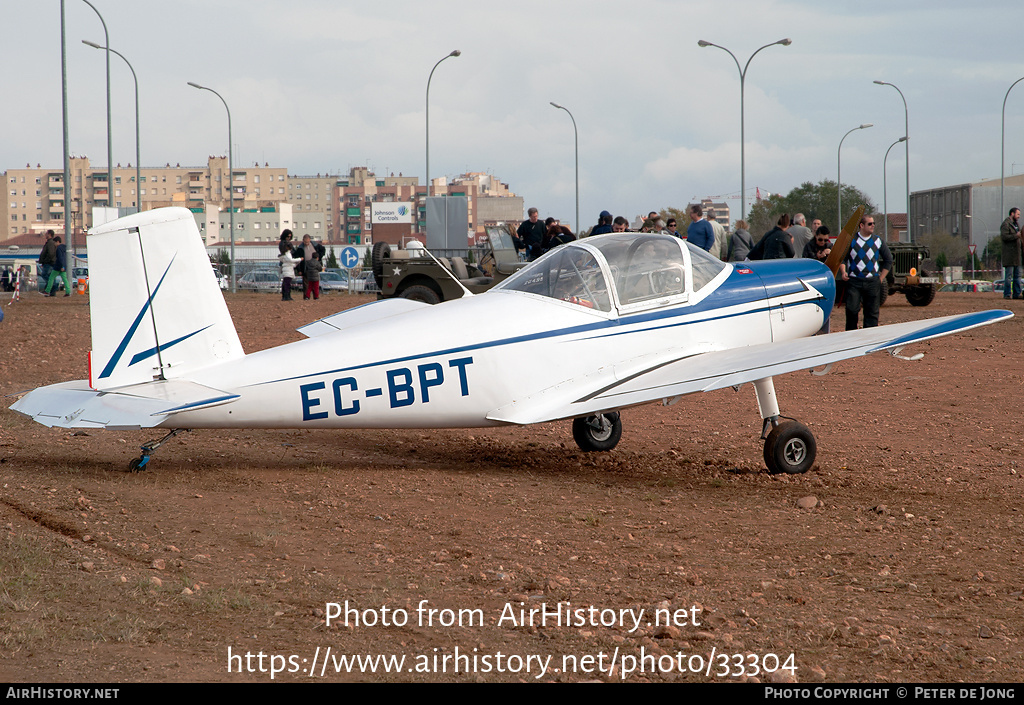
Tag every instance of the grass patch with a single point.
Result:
(219, 600)
(22, 564)
(261, 539)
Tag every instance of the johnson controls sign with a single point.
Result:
(391, 213)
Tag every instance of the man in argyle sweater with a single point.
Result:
(863, 270)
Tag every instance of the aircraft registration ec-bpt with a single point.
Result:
(592, 327)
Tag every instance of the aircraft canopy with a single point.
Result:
(640, 267)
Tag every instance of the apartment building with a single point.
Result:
(326, 206)
(262, 224)
(355, 192)
(720, 210)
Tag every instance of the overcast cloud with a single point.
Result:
(320, 86)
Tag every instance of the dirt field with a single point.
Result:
(232, 544)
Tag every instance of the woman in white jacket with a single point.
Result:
(288, 263)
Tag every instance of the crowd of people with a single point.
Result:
(789, 238)
(305, 261)
(534, 238)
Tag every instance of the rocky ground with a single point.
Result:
(675, 557)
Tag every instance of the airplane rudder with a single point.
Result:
(156, 308)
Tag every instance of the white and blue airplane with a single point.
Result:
(592, 327)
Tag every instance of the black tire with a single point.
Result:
(922, 294)
(136, 465)
(597, 433)
(418, 292)
(381, 251)
(790, 448)
(885, 293)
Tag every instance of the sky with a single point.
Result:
(320, 86)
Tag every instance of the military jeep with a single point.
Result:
(908, 277)
(413, 274)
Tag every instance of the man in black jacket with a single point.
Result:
(47, 258)
(531, 232)
(1009, 233)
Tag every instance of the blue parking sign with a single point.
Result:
(349, 257)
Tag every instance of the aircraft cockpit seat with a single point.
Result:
(654, 283)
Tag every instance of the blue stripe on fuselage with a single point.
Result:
(771, 279)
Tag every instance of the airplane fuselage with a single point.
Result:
(505, 347)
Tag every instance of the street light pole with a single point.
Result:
(743, 77)
(885, 192)
(454, 53)
(138, 170)
(906, 137)
(64, 120)
(577, 141)
(1002, 149)
(839, 173)
(110, 148)
(231, 181)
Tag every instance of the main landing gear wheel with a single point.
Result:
(598, 432)
(790, 448)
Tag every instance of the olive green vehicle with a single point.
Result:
(413, 274)
(908, 276)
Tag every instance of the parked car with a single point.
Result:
(336, 279)
(329, 281)
(222, 279)
(260, 280)
(332, 281)
(41, 281)
(343, 273)
(997, 286)
(974, 285)
(365, 283)
(78, 273)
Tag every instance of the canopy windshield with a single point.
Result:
(644, 270)
(568, 273)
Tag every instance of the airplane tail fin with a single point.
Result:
(157, 312)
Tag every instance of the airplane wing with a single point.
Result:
(663, 375)
(132, 407)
